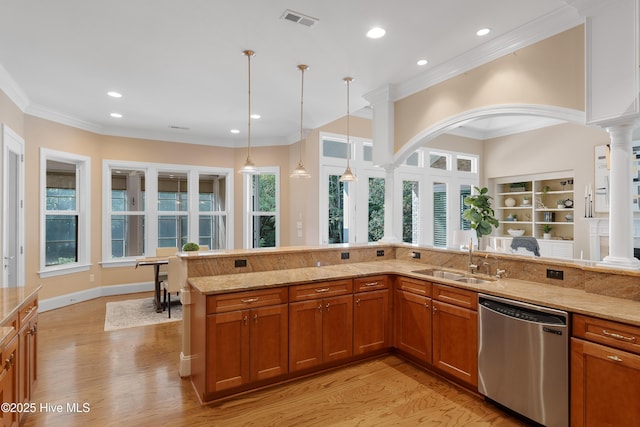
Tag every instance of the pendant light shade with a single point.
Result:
(249, 167)
(300, 171)
(348, 176)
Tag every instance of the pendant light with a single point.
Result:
(249, 167)
(348, 176)
(300, 171)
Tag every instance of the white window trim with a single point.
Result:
(83, 200)
(247, 223)
(151, 224)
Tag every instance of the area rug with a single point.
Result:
(137, 312)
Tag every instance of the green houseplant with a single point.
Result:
(480, 214)
(190, 247)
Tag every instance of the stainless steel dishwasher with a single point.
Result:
(523, 359)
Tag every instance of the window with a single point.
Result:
(440, 214)
(410, 211)
(65, 242)
(128, 213)
(376, 209)
(262, 207)
(173, 209)
(159, 205)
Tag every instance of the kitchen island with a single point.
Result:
(280, 317)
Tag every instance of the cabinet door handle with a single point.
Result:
(614, 358)
(322, 290)
(358, 302)
(327, 306)
(255, 318)
(244, 319)
(434, 308)
(371, 284)
(320, 307)
(618, 336)
(249, 300)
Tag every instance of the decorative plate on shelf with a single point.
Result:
(509, 202)
(515, 232)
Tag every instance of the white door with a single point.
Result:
(12, 208)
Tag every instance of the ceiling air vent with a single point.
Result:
(299, 18)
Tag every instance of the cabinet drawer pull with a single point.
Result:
(250, 300)
(614, 358)
(618, 336)
(322, 290)
(371, 284)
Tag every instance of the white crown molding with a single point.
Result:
(65, 119)
(13, 91)
(544, 27)
(524, 126)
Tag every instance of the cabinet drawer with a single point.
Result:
(370, 283)
(320, 290)
(614, 334)
(414, 286)
(28, 311)
(243, 300)
(456, 296)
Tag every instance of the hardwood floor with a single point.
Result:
(130, 377)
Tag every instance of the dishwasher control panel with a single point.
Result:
(522, 313)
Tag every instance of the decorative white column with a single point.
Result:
(621, 206)
(382, 103)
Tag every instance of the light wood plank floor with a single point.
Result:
(130, 377)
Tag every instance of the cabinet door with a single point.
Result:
(269, 342)
(605, 385)
(455, 341)
(371, 321)
(227, 350)
(27, 368)
(337, 324)
(413, 325)
(305, 334)
(9, 380)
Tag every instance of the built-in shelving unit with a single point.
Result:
(532, 202)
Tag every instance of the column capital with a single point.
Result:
(383, 94)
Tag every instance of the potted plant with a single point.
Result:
(560, 204)
(190, 247)
(546, 231)
(480, 214)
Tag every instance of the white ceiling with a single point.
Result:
(180, 63)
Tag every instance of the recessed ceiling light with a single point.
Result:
(114, 94)
(116, 115)
(235, 131)
(255, 116)
(422, 62)
(376, 33)
(483, 31)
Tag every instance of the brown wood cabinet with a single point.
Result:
(320, 327)
(247, 345)
(413, 318)
(455, 333)
(27, 350)
(371, 315)
(605, 373)
(9, 379)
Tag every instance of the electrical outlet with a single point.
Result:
(344, 255)
(555, 274)
(380, 252)
(415, 255)
(241, 263)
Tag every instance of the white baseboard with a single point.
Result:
(85, 295)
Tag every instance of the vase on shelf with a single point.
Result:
(546, 235)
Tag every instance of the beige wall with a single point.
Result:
(550, 72)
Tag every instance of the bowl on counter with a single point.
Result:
(515, 232)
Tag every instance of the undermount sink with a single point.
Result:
(472, 280)
(441, 273)
(457, 277)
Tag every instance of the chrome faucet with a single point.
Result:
(500, 273)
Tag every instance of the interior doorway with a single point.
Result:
(12, 208)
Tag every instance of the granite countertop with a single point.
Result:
(12, 298)
(572, 300)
